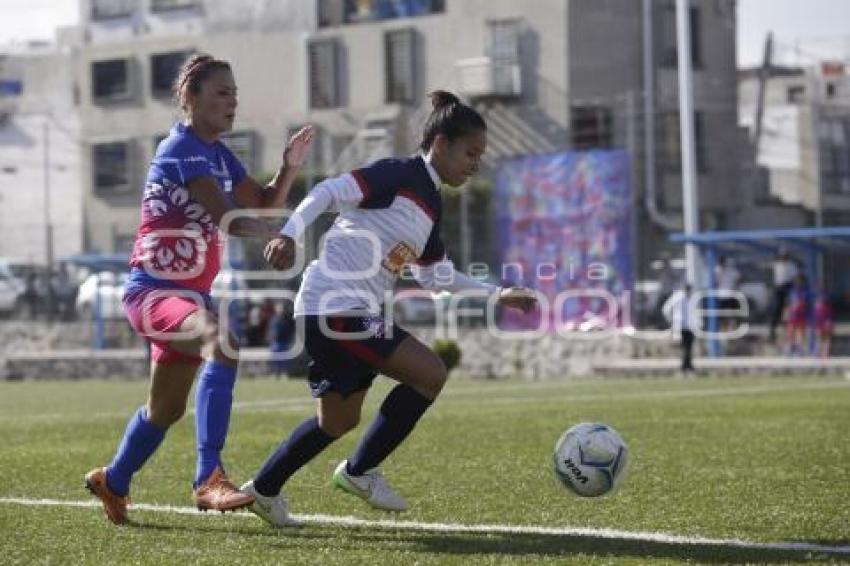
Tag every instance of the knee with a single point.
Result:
(224, 349)
(339, 425)
(435, 379)
(163, 415)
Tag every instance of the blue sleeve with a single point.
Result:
(183, 161)
(379, 183)
(234, 167)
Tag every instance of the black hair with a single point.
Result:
(450, 117)
(195, 70)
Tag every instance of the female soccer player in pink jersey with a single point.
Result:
(192, 183)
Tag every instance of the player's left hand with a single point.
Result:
(280, 252)
(521, 298)
(299, 145)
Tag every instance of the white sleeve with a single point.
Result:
(442, 276)
(335, 195)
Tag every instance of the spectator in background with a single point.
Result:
(669, 282)
(727, 279)
(823, 322)
(31, 295)
(784, 272)
(64, 293)
(797, 315)
(677, 311)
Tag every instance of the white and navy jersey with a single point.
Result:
(389, 217)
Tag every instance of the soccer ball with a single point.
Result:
(590, 459)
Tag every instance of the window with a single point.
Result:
(324, 73)
(111, 80)
(591, 127)
(110, 9)
(504, 54)
(673, 141)
(164, 70)
(340, 12)
(400, 63)
(834, 151)
(331, 13)
(830, 90)
(796, 94)
(168, 5)
(504, 40)
(243, 146)
(123, 242)
(111, 166)
(668, 53)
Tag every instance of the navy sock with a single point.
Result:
(398, 415)
(305, 442)
(213, 401)
(141, 439)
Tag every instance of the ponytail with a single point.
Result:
(451, 118)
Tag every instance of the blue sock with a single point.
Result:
(398, 415)
(213, 401)
(305, 442)
(141, 439)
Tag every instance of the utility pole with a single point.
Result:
(690, 200)
(764, 75)
(48, 226)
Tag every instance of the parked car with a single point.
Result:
(100, 295)
(104, 290)
(11, 292)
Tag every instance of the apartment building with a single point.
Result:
(804, 146)
(549, 75)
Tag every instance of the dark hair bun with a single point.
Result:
(442, 99)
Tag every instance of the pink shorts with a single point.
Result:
(157, 313)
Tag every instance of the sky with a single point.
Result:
(803, 29)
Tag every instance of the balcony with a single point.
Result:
(483, 77)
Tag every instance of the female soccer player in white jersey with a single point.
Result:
(193, 181)
(389, 217)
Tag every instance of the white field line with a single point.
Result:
(481, 399)
(348, 521)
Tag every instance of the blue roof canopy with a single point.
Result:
(833, 239)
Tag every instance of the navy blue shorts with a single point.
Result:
(346, 364)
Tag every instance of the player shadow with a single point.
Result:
(544, 545)
(505, 544)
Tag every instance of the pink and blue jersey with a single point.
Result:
(178, 242)
(823, 312)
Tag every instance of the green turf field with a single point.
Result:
(752, 460)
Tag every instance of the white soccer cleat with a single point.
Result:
(273, 510)
(371, 486)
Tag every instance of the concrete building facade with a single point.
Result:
(804, 147)
(41, 189)
(548, 75)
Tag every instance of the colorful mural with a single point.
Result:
(565, 228)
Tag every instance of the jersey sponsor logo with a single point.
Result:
(400, 255)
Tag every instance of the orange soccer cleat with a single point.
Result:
(115, 506)
(218, 494)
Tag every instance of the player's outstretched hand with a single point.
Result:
(299, 145)
(280, 252)
(520, 298)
